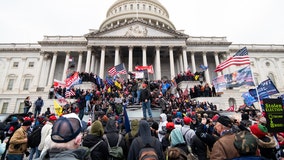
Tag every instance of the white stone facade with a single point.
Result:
(133, 34)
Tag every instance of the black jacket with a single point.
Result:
(101, 150)
(145, 94)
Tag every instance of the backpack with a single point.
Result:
(147, 152)
(115, 151)
(34, 137)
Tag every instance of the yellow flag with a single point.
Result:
(57, 108)
(118, 85)
(196, 77)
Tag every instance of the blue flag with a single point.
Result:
(249, 100)
(203, 67)
(264, 89)
(126, 120)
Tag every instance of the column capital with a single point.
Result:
(116, 47)
(41, 53)
(89, 47)
(171, 47)
(184, 47)
(144, 46)
(130, 47)
(157, 47)
(103, 47)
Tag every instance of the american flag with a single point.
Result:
(118, 69)
(69, 93)
(240, 58)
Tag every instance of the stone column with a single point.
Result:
(181, 64)
(36, 82)
(116, 56)
(89, 54)
(79, 62)
(158, 64)
(92, 63)
(185, 63)
(66, 65)
(172, 65)
(217, 62)
(193, 62)
(144, 55)
(102, 66)
(130, 59)
(177, 65)
(7, 63)
(52, 69)
(207, 77)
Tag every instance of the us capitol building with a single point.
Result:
(134, 33)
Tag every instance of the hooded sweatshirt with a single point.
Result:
(144, 133)
(162, 126)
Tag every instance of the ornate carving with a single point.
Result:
(136, 31)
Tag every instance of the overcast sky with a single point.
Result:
(241, 21)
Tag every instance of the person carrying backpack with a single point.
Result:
(93, 140)
(145, 145)
(115, 141)
(34, 138)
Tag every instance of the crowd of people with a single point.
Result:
(182, 132)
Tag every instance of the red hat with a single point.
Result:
(170, 126)
(52, 118)
(187, 120)
(259, 130)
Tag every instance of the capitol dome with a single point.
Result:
(126, 11)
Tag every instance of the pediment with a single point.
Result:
(137, 30)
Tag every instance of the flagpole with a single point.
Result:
(256, 85)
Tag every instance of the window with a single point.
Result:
(137, 6)
(26, 84)
(21, 108)
(10, 84)
(4, 107)
(31, 64)
(15, 64)
(131, 6)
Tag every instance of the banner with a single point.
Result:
(235, 79)
(148, 68)
(138, 74)
(274, 114)
(73, 80)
